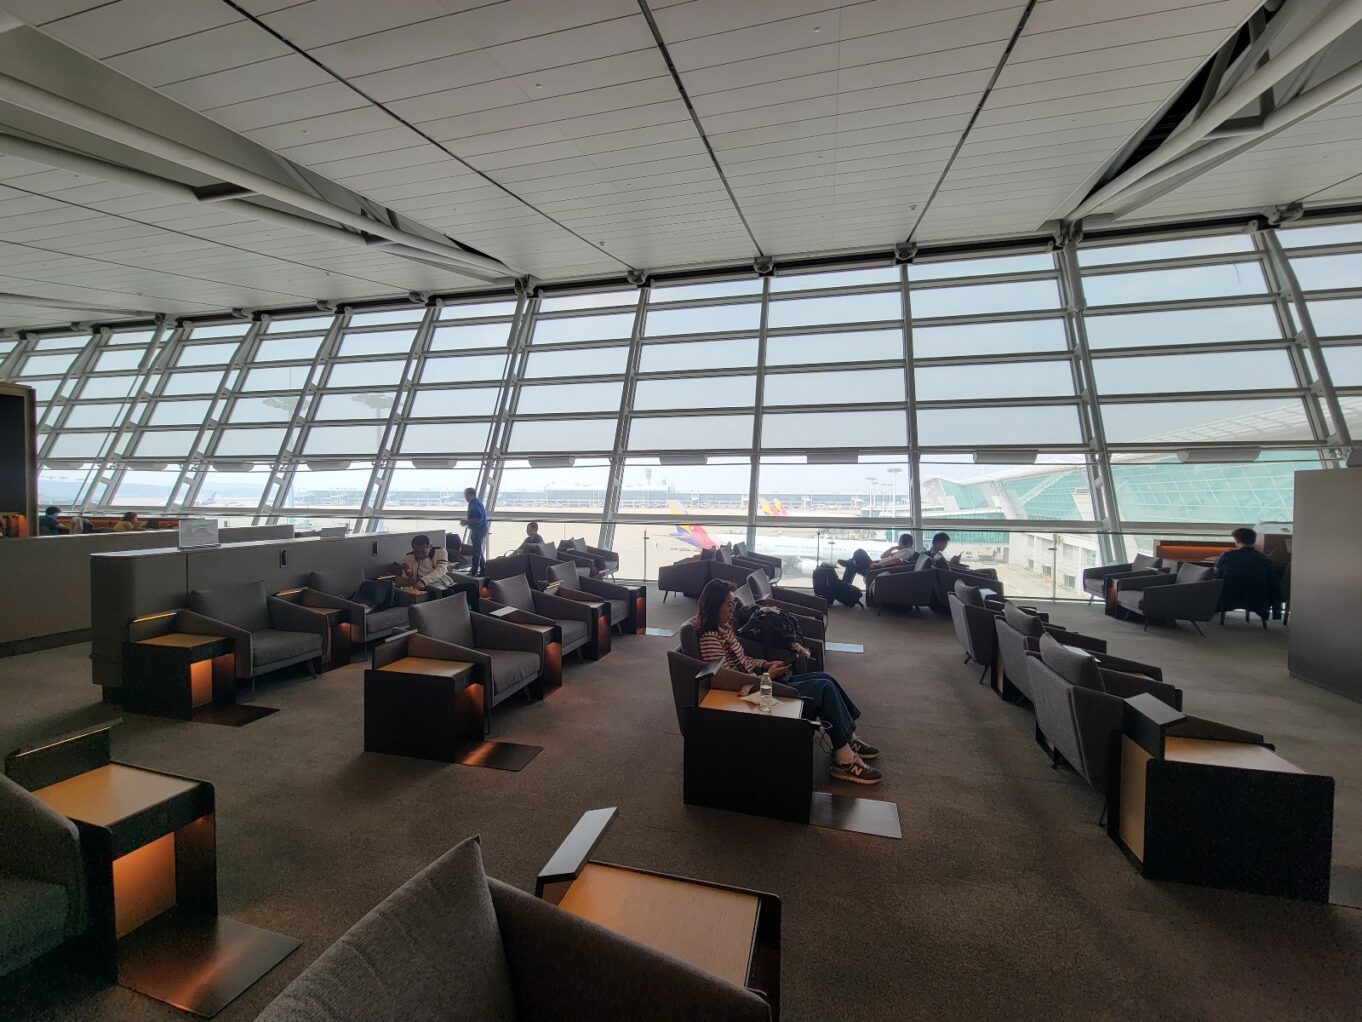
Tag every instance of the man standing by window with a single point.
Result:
(477, 529)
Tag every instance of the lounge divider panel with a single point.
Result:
(122, 587)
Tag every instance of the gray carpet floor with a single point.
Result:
(1004, 900)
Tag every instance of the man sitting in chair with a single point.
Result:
(426, 567)
(936, 553)
(531, 536)
(860, 561)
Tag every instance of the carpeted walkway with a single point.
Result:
(1004, 900)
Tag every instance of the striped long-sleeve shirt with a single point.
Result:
(722, 644)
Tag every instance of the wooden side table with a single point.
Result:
(149, 842)
(430, 709)
(172, 675)
(338, 641)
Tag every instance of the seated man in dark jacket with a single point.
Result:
(1248, 576)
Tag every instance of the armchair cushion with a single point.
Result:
(564, 573)
(273, 646)
(969, 595)
(242, 606)
(340, 582)
(690, 641)
(514, 592)
(1029, 625)
(511, 668)
(1076, 668)
(1194, 573)
(430, 950)
(448, 620)
(32, 919)
(1143, 562)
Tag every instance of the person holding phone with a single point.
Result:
(823, 697)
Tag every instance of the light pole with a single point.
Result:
(870, 481)
(894, 491)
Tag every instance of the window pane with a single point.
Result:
(851, 346)
(705, 490)
(1039, 262)
(1244, 370)
(836, 309)
(1345, 366)
(48, 365)
(80, 445)
(585, 362)
(237, 329)
(282, 326)
(1000, 427)
(342, 488)
(717, 289)
(989, 338)
(1036, 492)
(1330, 234)
(1161, 489)
(1239, 421)
(263, 409)
(580, 488)
(145, 489)
(343, 439)
(583, 328)
(692, 433)
(200, 355)
(68, 341)
(477, 335)
(570, 397)
(978, 299)
(452, 438)
(107, 386)
(855, 386)
(563, 435)
(454, 402)
(1176, 249)
(277, 378)
(411, 315)
(837, 278)
(232, 489)
(121, 358)
(61, 486)
(1323, 272)
(478, 310)
(704, 392)
(793, 430)
(734, 352)
(704, 319)
(470, 367)
(166, 444)
(262, 442)
(364, 374)
(1183, 326)
(1186, 282)
(288, 349)
(383, 342)
(1339, 318)
(437, 489)
(594, 300)
(179, 413)
(370, 405)
(1011, 379)
(89, 416)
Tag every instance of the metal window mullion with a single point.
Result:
(286, 462)
(498, 437)
(910, 404)
(153, 362)
(24, 345)
(1098, 460)
(210, 433)
(614, 483)
(758, 412)
(380, 476)
(1307, 339)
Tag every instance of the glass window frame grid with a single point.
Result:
(157, 369)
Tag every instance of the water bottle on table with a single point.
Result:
(767, 699)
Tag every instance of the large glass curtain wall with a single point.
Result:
(1050, 408)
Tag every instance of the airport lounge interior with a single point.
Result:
(660, 510)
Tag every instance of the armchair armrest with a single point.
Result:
(190, 621)
(494, 633)
(1103, 570)
(1126, 685)
(437, 649)
(313, 598)
(604, 589)
(290, 617)
(561, 607)
(732, 681)
(1194, 600)
(393, 648)
(1151, 580)
(1117, 663)
(808, 601)
(41, 844)
(1078, 639)
(566, 969)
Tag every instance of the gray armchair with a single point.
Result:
(512, 657)
(269, 633)
(972, 617)
(572, 585)
(1080, 706)
(773, 566)
(1019, 631)
(687, 577)
(533, 560)
(576, 621)
(334, 589)
(1097, 580)
(453, 943)
(1192, 595)
(905, 585)
(42, 878)
(793, 601)
(600, 560)
(689, 687)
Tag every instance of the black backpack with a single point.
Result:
(772, 627)
(831, 588)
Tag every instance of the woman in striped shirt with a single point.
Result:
(823, 698)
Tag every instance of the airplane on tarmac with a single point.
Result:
(798, 552)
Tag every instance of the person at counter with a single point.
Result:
(48, 524)
(426, 567)
(128, 523)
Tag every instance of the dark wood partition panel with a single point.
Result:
(18, 461)
(1325, 645)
